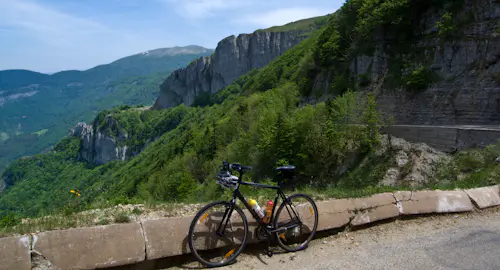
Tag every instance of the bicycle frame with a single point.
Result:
(237, 195)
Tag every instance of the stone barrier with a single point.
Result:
(375, 208)
(485, 197)
(431, 201)
(15, 253)
(166, 237)
(334, 213)
(91, 248)
(125, 244)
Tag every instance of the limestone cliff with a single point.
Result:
(233, 57)
(468, 89)
(97, 147)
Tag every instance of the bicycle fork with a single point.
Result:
(223, 222)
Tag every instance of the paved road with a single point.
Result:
(466, 241)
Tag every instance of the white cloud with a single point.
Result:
(199, 9)
(52, 40)
(281, 16)
(48, 25)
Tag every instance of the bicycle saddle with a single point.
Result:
(287, 168)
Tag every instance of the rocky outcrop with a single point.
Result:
(412, 164)
(233, 57)
(97, 147)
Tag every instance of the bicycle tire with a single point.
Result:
(315, 227)
(191, 233)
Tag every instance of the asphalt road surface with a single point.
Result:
(463, 241)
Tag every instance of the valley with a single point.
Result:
(318, 94)
(37, 110)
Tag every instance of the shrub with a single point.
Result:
(446, 26)
(9, 220)
(122, 217)
(136, 211)
(419, 79)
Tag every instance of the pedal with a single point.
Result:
(269, 252)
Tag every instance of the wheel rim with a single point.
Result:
(217, 247)
(302, 223)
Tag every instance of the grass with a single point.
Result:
(66, 219)
(122, 217)
(469, 169)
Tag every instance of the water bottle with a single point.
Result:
(255, 206)
(269, 211)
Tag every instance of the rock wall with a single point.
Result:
(97, 147)
(468, 92)
(233, 57)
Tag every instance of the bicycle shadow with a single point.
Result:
(213, 245)
(208, 243)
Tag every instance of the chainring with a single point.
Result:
(261, 233)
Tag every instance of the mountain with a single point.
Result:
(159, 60)
(37, 110)
(233, 57)
(10, 79)
(319, 106)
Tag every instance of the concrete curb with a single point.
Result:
(126, 244)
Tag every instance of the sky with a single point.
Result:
(53, 35)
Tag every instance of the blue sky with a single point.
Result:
(54, 35)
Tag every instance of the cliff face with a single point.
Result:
(97, 147)
(233, 57)
(468, 91)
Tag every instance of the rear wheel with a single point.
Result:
(298, 218)
(218, 234)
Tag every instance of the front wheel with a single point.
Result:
(218, 234)
(297, 217)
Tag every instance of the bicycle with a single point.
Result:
(224, 246)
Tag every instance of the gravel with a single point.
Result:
(454, 241)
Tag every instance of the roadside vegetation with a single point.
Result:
(260, 120)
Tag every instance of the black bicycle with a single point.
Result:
(219, 231)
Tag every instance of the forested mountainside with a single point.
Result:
(295, 110)
(37, 110)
